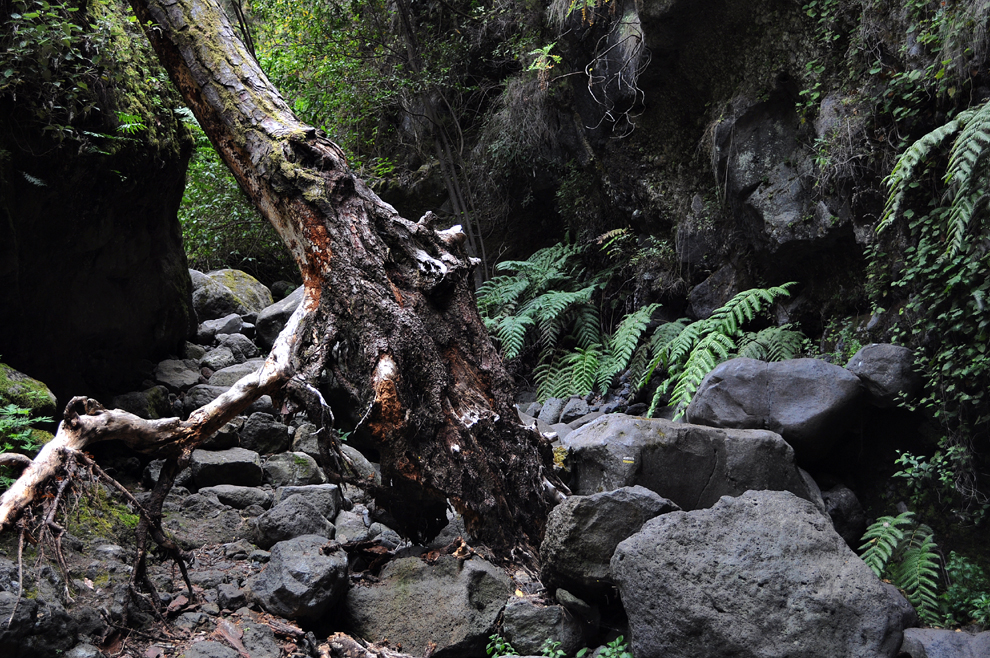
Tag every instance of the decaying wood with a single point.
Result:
(394, 341)
(387, 339)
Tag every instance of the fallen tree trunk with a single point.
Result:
(388, 330)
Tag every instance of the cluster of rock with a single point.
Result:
(701, 538)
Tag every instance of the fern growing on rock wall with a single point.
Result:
(551, 295)
(696, 348)
(900, 548)
(941, 283)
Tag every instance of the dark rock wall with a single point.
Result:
(94, 278)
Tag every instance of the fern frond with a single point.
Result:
(549, 306)
(622, 343)
(708, 353)
(771, 344)
(917, 575)
(904, 171)
(967, 173)
(551, 377)
(582, 367)
(587, 325)
(665, 339)
(744, 307)
(511, 333)
(882, 539)
(500, 294)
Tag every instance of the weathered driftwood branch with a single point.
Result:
(86, 422)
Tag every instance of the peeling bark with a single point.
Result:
(388, 329)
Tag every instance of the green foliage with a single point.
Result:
(617, 648)
(696, 348)
(543, 63)
(499, 646)
(940, 481)
(551, 649)
(220, 226)
(967, 597)
(545, 292)
(905, 551)
(18, 435)
(944, 276)
(552, 296)
(332, 61)
(50, 61)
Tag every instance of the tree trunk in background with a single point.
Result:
(390, 329)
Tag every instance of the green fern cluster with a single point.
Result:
(688, 352)
(967, 174)
(547, 293)
(905, 551)
(551, 295)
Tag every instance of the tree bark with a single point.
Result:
(388, 329)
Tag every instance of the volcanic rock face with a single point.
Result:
(760, 575)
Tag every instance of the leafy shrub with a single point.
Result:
(936, 480)
(498, 646)
(967, 597)
(617, 648)
(51, 62)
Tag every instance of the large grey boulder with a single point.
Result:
(177, 374)
(264, 434)
(807, 401)
(292, 469)
(691, 465)
(461, 601)
(247, 290)
(242, 347)
(239, 497)
(230, 375)
(233, 466)
(887, 371)
(220, 293)
(756, 576)
(846, 512)
(150, 403)
(574, 409)
(112, 243)
(218, 358)
(527, 625)
(272, 319)
(583, 531)
(213, 300)
(327, 498)
(24, 391)
(34, 628)
(300, 581)
(551, 410)
(941, 643)
(228, 324)
(200, 395)
(293, 517)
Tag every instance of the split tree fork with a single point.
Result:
(388, 325)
